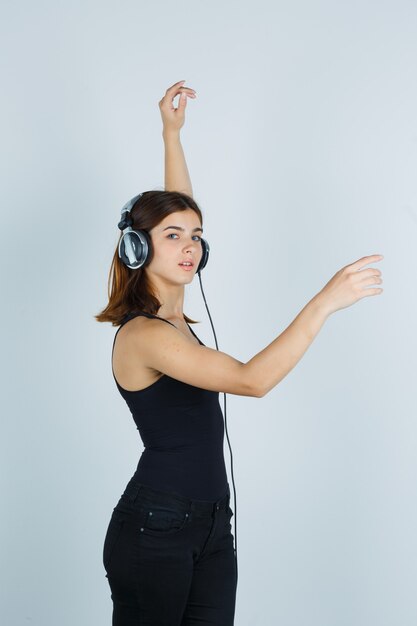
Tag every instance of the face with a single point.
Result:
(173, 245)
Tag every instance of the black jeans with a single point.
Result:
(170, 560)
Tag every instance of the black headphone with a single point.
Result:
(135, 246)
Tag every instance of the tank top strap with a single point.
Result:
(134, 314)
(198, 339)
(129, 317)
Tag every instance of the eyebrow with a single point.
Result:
(182, 229)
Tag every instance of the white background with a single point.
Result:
(301, 146)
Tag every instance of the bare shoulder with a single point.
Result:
(148, 348)
(128, 366)
(170, 350)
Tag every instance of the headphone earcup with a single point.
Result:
(205, 256)
(135, 248)
(149, 248)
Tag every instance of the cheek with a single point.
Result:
(164, 247)
(165, 252)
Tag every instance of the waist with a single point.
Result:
(137, 495)
(203, 506)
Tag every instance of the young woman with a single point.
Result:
(168, 551)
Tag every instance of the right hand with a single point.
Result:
(173, 118)
(348, 285)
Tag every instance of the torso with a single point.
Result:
(130, 372)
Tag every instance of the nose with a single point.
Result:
(193, 245)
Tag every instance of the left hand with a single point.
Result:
(172, 118)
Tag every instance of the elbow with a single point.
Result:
(257, 392)
(252, 386)
(260, 393)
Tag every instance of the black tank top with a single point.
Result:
(182, 430)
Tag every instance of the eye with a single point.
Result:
(170, 235)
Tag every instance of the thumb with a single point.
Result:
(183, 100)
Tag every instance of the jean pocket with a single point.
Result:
(113, 533)
(160, 520)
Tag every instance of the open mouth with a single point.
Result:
(186, 267)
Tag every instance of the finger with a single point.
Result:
(182, 101)
(190, 92)
(172, 93)
(175, 85)
(371, 292)
(372, 257)
(180, 85)
(365, 261)
(371, 271)
(371, 280)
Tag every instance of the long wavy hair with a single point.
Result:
(128, 289)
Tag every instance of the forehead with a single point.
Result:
(186, 219)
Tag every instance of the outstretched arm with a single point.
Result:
(165, 349)
(177, 177)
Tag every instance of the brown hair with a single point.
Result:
(128, 289)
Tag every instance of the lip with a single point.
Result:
(187, 268)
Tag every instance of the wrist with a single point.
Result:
(171, 134)
(318, 302)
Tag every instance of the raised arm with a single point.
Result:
(177, 177)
